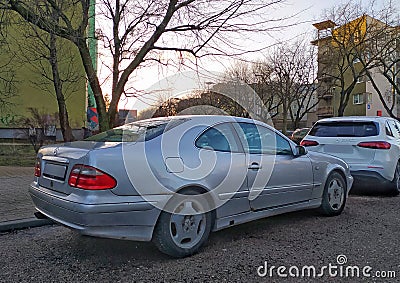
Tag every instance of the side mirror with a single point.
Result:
(300, 150)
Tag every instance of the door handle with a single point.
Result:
(254, 166)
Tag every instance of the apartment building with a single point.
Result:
(352, 59)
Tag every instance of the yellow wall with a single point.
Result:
(19, 49)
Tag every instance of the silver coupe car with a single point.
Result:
(174, 180)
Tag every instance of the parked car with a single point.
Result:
(299, 134)
(174, 180)
(288, 133)
(370, 145)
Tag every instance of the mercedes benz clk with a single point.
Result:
(174, 180)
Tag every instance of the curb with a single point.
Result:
(23, 223)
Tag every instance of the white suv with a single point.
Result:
(370, 145)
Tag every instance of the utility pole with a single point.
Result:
(92, 117)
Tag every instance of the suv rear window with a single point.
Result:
(344, 129)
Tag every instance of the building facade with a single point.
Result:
(345, 54)
(24, 59)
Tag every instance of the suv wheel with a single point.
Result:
(396, 180)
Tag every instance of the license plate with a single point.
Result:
(334, 148)
(55, 171)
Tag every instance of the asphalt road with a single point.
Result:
(367, 234)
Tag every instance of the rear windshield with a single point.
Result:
(138, 131)
(344, 129)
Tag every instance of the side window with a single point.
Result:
(398, 126)
(218, 138)
(388, 130)
(282, 146)
(257, 139)
(395, 129)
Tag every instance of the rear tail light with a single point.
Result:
(308, 143)
(375, 145)
(38, 169)
(90, 178)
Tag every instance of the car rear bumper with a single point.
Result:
(128, 220)
(369, 178)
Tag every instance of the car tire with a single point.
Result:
(183, 232)
(396, 181)
(334, 196)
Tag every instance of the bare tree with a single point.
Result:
(264, 86)
(250, 85)
(285, 82)
(293, 80)
(147, 113)
(35, 127)
(142, 30)
(205, 102)
(306, 85)
(381, 46)
(8, 89)
(49, 56)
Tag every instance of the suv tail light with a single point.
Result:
(38, 169)
(375, 145)
(90, 178)
(308, 143)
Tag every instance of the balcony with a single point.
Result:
(325, 95)
(325, 78)
(325, 111)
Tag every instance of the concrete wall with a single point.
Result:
(21, 133)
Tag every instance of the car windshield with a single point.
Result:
(344, 129)
(138, 131)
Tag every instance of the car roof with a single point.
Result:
(209, 118)
(355, 118)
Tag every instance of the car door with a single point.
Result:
(227, 179)
(275, 176)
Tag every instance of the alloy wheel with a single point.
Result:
(335, 194)
(187, 224)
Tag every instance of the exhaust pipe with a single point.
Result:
(40, 215)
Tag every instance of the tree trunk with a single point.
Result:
(94, 83)
(113, 114)
(285, 113)
(62, 108)
(341, 110)
(296, 124)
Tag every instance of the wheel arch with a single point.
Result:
(331, 168)
(201, 190)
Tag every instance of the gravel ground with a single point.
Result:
(367, 233)
(15, 202)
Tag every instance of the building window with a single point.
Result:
(369, 98)
(357, 36)
(358, 98)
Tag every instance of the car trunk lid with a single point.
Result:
(56, 162)
(346, 149)
(342, 138)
